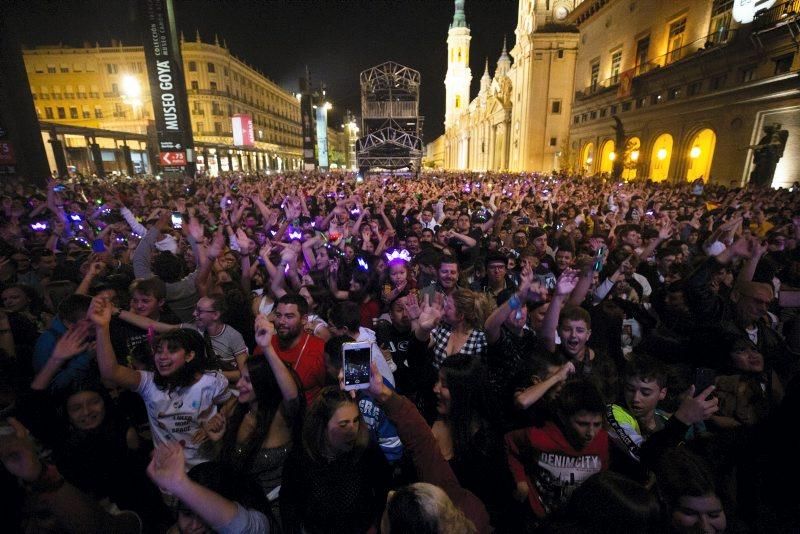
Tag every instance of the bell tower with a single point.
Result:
(458, 76)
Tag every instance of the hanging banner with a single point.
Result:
(242, 126)
(165, 74)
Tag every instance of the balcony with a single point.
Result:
(703, 45)
(777, 15)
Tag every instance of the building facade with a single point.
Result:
(520, 118)
(106, 88)
(681, 90)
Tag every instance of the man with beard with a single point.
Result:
(303, 352)
(446, 279)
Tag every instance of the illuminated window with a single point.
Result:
(595, 74)
(211, 68)
(616, 65)
(48, 113)
(676, 33)
(458, 101)
(642, 50)
(193, 66)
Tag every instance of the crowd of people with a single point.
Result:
(547, 353)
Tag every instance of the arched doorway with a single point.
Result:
(607, 157)
(660, 157)
(632, 149)
(587, 157)
(701, 153)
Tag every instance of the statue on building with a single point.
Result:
(767, 153)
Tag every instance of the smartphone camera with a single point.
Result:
(356, 365)
(59, 188)
(598, 259)
(177, 220)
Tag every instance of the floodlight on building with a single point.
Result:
(298, 96)
(661, 154)
(635, 155)
(612, 156)
(131, 90)
(328, 106)
(695, 152)
(589, 160)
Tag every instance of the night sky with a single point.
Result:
(335, 39)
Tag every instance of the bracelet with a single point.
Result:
(514, 302)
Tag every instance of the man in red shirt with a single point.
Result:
(301, 351)
(548, 463)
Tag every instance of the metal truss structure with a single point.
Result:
(391, 124)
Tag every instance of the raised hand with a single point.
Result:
(411, 305)
(100, 312)
(166, 468)
(567, 282)
(430, 314)
(194, 229)
(696, 409)
(73, 342)
(264, 330)
(217, 242)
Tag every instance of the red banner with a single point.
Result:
(625, 83)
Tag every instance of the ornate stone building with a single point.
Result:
(520, 118)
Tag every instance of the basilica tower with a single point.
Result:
(458, 76)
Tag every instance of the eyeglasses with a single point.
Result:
(198, 310)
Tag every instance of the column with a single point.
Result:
(58, 153)
(97, 157)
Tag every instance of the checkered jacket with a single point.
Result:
(476, 344)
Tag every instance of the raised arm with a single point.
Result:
(100, 315)
(564, 286)
(264, 332)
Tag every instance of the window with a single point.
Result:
(86, 113)
(211, 68)
(616, 63)
(217, 128)
(200, 127)
(48, 113)
(77, 67)
(73, 113)
(225, 70)
(195, 85)
(90, 67)
(553, 141)
(676, 32)
(613, 109)
(38, 69)
(718, 82)
(458, 101)
(111, 68)
(603, 112)
(626, 106)
(193, 66)
(747, 73)
(694, 88)
(51, 69)
(783, 64)
(655, 99)
(721, 13)
(115, 88)
(642, 50)
(595, 74)
(98, 112)
(560, 54)
(213, 87)
(64, 68)
(593, 114)
(62, 113)
(639, 103)
(576, 119)
(555, 107)
(673, 93)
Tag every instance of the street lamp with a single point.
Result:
(131, 90)
(695, 152)
(635, 155)
(612, 156)
(661, 154)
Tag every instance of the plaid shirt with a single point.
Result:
(475, 345)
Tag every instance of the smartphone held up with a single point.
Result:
(356, 359)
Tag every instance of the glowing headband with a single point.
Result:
(363, 264)
(402, 255)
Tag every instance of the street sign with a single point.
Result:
(172, 159)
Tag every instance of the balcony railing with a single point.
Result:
(779, 13)
(703, 44)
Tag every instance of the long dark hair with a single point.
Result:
(190, 341)
(269, 397)
(470, 406)
(314, 437)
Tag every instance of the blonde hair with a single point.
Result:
(474, 307)
(426, 509)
